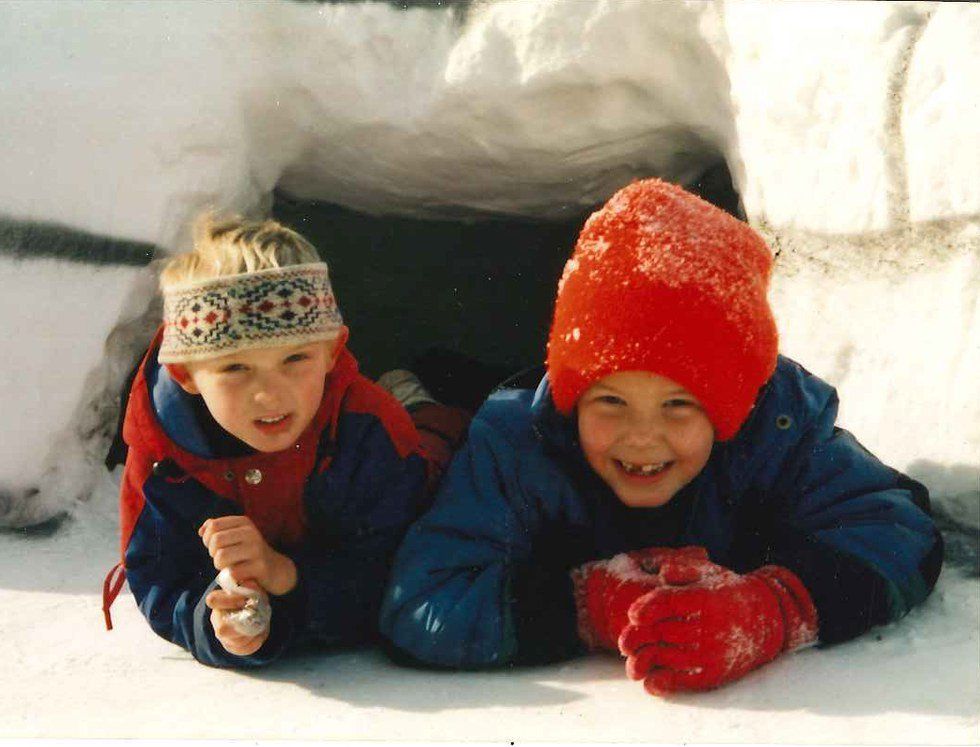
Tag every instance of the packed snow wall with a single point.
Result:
(849, 130)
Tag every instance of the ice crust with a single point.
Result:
(849, 128)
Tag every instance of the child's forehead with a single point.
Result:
(645, 380)
(258, 355)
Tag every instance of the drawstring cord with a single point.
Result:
(110, 590)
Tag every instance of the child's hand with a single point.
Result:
(223, 602)
(605, 589)
(235, 543)
(713, 631)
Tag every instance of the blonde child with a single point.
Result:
(256, 446)
(673, 490)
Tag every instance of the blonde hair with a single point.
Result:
(231, 244)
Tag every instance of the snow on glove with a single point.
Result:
(254, 618)
(605, 589)
(716, 629)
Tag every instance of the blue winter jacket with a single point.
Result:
(338, 504)
(482, 578)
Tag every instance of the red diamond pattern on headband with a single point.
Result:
(280, 306)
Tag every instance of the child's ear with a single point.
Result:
(182, 376)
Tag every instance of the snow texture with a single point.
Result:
(850, 130)
(913, 682)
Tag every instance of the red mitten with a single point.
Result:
(605, 589)
(717, 629)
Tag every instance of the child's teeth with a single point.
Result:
(271, 420)
(643, 469)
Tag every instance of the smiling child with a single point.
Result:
(673, 491)
(256, 447)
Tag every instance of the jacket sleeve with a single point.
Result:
(170, 573)
(857, 532)
(452, 599)
(359, 510)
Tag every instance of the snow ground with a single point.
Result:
(915, 682)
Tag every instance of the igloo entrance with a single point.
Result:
(481, 288)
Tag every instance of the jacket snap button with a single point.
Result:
(229, 475)
(783, 422)
(253, 476)
(166, 469)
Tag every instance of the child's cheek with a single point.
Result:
(596, 436)
(696, 439)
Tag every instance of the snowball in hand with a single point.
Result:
(255, 616)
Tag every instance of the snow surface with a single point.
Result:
(915, 682)
(850, 129)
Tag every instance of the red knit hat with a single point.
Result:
(662, 281)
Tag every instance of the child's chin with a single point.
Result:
(269, 445)
(644, 499)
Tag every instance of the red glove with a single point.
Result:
(605, 589)
(716, 629)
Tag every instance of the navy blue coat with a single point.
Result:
(337, 504)
(482, 578)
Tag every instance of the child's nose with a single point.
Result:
(644, 431)
(268, 392)
(266, 398)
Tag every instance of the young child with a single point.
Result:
(256, 446)
(673, 490)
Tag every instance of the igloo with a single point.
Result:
(446, 138)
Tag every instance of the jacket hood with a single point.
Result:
(175, 412)
(558, 432)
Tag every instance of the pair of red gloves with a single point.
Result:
(685, 623)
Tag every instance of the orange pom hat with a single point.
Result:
(662, 281)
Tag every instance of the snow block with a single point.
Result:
(812, 85)
(56, 317)
(939, 117)
(545, 107)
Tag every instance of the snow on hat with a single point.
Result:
(662, 281)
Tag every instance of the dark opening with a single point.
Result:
(481, 288)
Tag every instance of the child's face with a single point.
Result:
(265, 397)
(644, 435)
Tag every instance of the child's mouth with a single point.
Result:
(636, 470)
(273, 424)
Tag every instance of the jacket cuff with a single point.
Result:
(542, 596)
(291, 605)
(544, 615)
(850, 597)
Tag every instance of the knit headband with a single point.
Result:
(268, 308)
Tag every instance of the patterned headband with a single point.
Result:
(268, 308)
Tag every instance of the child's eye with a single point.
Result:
(610, 399)
(297, 357)
(233, 368)
(679, 404)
